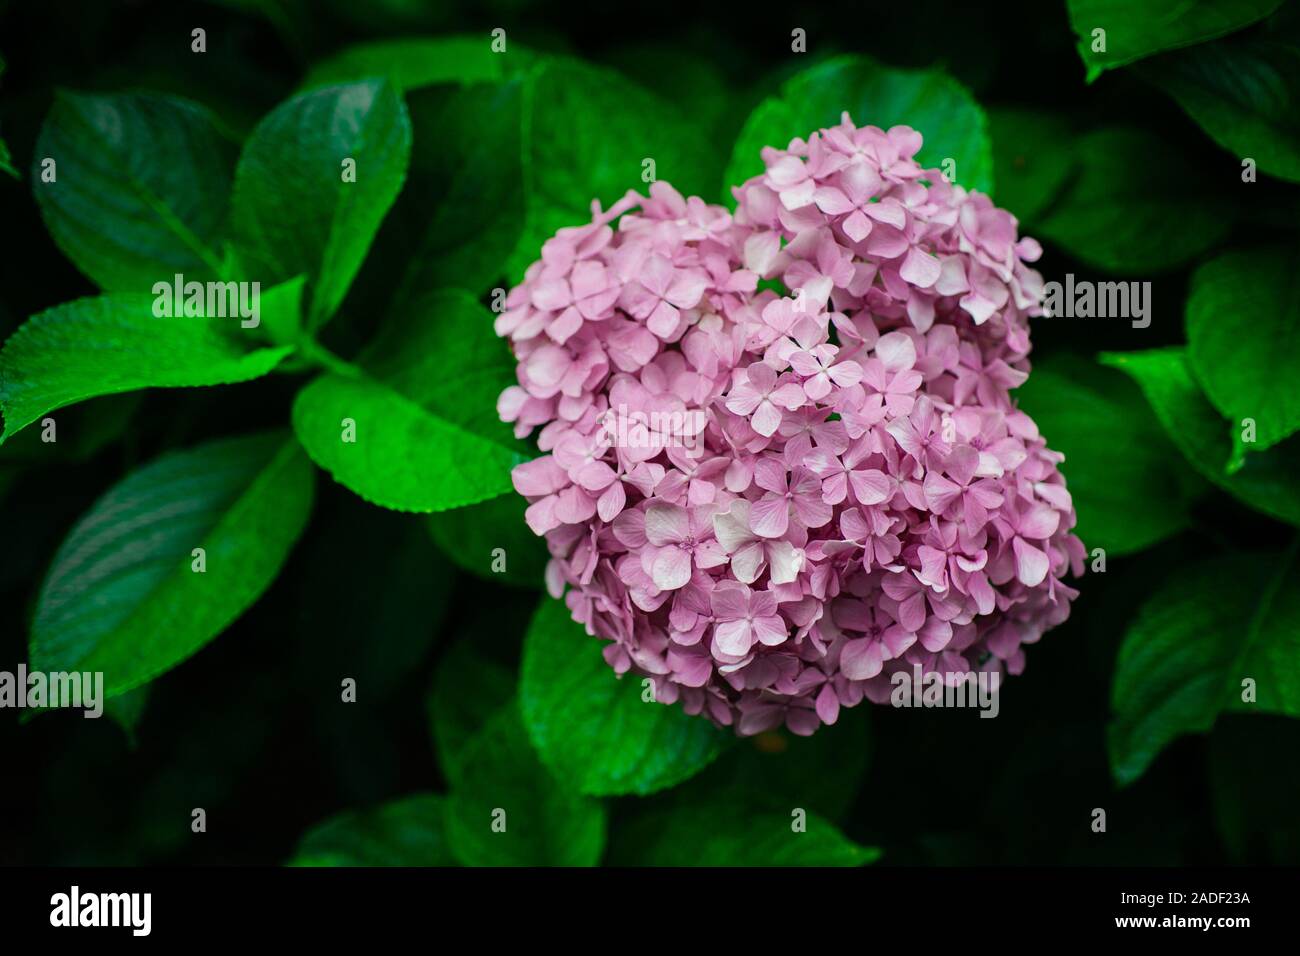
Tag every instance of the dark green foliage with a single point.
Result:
(338, 683)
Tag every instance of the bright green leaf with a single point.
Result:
(123, 596)
(595, 730)
(427, 436)
(507, 810)
(1130, 487)
(394, 453)
(1243, 341)
(1116, 216)
(141, 187)
(934, 104)
(1134, 29)
(1194, 646)
(1266, 482)
(114, 343)
(314, 182)
(405, 832)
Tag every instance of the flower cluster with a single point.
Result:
(780, 457)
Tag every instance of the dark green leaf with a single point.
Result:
(1138, 28)
(938, 107)
(1245, 92)
(81, 431)
(1255, 794)
(412, 62)
(1117, 216)
(296, 210)
(6, 163)
(1266, 482)
(468, 689)
(778, 770)
(595, 730)
(115, 343)
(401, 592)
(127, 710)
(464, 205)
(507, 810)
(405, 832)
(1032, 159)
(1195, 644)
(728, 833)
(141, 188)
(1130, 487)
(122, 595)
(471, 536)
(1243, 341)
(589, 132)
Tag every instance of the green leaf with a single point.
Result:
(729, 833)
(413, 62)
(142, 182)
(1138, 28)
(1032, 159)
(6, 163)
(463, 207)
(1255, 794)
(592, 728)
(1194, 644)
(1243, 341)
(121, 595)
(127, 710)
(427, 436)
(1130, 487)
(470, 536)
(1116, 216)
(403, 456)
(81, 432)
(295, 212)
(383, 640)
(1245, 92)
(778, 770)
(405, 832)
(1266, 482)
(115, 343)
(468, 690)
(934, 104)
(588, 132)
(507, 810)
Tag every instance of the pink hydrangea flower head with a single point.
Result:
(771, 503)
